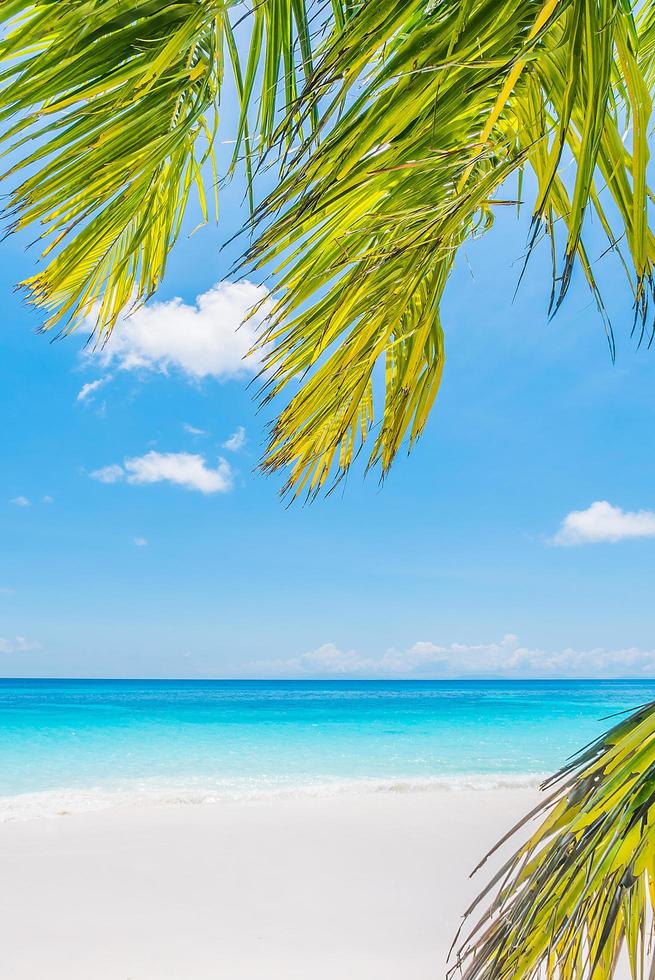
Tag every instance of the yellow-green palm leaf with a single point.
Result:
(109, 113)
(582, 888)
(411, 115)
(426, 110)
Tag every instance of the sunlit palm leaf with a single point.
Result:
(444, 102)
(110, 109)
(582, 888)
(425, 111)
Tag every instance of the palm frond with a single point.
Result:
(110, 106)
(109, 112)
(581, 889)
(427, 110)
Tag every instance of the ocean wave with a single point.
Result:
(67, 801)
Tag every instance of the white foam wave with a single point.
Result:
(63, 802)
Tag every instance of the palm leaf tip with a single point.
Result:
(580, 892)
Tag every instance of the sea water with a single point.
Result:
(84, 744)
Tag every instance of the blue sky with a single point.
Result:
(449, 569)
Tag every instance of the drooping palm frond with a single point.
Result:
(109, 110)
(582, 888)
(425, 110)
(443, 103)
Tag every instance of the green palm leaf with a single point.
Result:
(582, 887)
(427, 109)
(110, 110)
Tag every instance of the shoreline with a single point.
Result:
(146, 794)
(367, 886)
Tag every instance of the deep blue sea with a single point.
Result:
(80, 744)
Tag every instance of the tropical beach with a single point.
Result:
(155, 829)
(327, 529)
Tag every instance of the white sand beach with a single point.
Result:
(366, 887)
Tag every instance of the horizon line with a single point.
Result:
(346, 680)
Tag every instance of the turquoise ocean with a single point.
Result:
(68, 745)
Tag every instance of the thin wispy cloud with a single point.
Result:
(108, 474)
(86, 391)
(236, 441)
(141, 542)
(425, 659)
(22, 501)
(602, 522)
(205, 339)
(188, 470)
(18, 644)
(192, 430)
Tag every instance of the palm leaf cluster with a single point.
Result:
(427, 110)
(412, 118)
(581, 890)
(109, 113)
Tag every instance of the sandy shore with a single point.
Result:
(365, 887)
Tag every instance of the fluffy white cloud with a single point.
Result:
(505, 658)
(236, 441)
(187, 470)
(20, 501)
(87, 390)
(19, 644)
(603, 522)
(209, 338)
(327, 659)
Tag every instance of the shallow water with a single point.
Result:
(82, 744)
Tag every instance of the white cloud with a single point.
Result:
(603, 522)
(26, 502)
(504, 658)
(141, 542)
(109, 474)
(236, 441)
(327, 659)
(206, 339)
(88, 389)
(193, 431)
(19, 644)
(187, 470)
